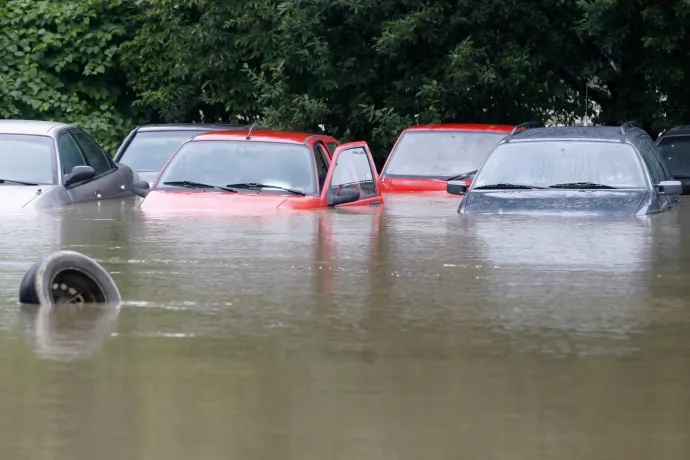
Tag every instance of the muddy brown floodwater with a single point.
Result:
(414, 333)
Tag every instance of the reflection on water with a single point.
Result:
(68, 331)
(409, 332)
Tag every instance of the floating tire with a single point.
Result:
(68, 277)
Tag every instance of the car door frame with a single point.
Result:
(375, 200)
(327, 158)
(325, 140)
(79, 190)
(665, 201)
(60, 173)
(671, 199)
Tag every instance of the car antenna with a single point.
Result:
(249, 134)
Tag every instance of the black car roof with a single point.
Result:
(603, 133)
(683, 130)
(194, 127)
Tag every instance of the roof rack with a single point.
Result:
(626, 125)
(528, 125)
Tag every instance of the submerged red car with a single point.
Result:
(424, 158)
(245, 172)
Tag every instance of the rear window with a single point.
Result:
(675, 150)
(440, 154)
(149, 151)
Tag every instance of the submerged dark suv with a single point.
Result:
(674, 146)
(612, 170)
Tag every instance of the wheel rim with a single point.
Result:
(75, 287)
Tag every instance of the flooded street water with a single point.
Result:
(410, 333)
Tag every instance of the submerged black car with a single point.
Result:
(147, 148)
(571, 169)
(674, 146)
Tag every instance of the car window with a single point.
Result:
(657, 153)
(675, 151)
(651, 159)
(27, 158)
(150, 150)
(70, 156)
(550, 162)
(332, 146)
(95, 156)
(353, 170)
(230, 162)
(441, 154)
(321, 164)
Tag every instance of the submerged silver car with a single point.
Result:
(601, 170)
(44, 164)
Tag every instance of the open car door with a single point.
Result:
(352, 179)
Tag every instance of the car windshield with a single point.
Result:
(27, 158)
(440, 154)
(547, 163)
(220, 163)
(149, 151)
(675, 150)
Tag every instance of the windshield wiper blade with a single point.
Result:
(581, 185)
(508, 186)
(4, 181)
(464, 175)
(254, 185)
(190, 184)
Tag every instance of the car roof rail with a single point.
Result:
(678, 128)
(628, 124)
(527, 125)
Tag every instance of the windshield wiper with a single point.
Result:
(582, 185)
(464, 175)
(508, 186)
(254, 185)
(4, 181)
(189, 184)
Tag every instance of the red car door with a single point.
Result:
(352, 179)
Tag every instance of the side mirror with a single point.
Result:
(346, 195)
(670, 187)
(78, 174)
(457, 187)
(141, 188)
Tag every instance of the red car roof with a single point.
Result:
(463, 127)
(263, 135)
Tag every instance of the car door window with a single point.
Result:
(95, 155)
(332, 146)
(664, 167)
(69, 153)
(321, 159)
(651, 160)
(353, 170)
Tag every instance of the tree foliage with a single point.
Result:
(363, 69)
(61, 61)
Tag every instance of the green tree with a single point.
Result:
(61, 61)
(366, 69)
(186, 60)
